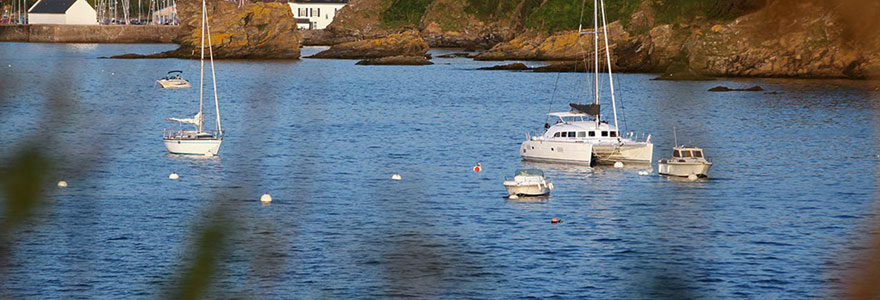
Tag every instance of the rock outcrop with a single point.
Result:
(407, 43)
(508, 67)
(256, 30)
(399, 60)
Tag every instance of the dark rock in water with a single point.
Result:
(508, 67)
(727, 89)
(458, 54)
(407, 43)
(399, 60)
(568, 66)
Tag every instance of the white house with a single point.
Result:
(315, 14)
(166, 16)
(70, 12)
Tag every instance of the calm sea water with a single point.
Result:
(790, 200)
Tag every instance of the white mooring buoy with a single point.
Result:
(62, 184)
(173, 176)
(395, 177)
(266, 198)
(618, 164)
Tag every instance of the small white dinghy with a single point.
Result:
(173, 80)
(529, 183)
(685, 161)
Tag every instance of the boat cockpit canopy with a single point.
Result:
(529, 172)
(687, 152)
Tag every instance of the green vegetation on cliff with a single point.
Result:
(555, 15)
(672, 11)
(403, 13)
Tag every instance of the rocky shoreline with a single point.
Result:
(782, 38)
(800, 39)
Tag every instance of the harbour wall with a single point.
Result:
(45, 33)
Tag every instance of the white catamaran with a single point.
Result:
(198, 142)
(581, 136)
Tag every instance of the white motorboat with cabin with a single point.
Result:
(685, 161)
(198, 141)
(528, 183)
(580, 136)
(173, 80)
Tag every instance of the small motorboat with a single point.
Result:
(685, 161)
(528, 182)
(173, 80)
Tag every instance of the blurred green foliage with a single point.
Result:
(23, 180)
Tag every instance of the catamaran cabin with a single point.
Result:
(576, 126)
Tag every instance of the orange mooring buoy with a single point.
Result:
(555, 220)
(478, 167)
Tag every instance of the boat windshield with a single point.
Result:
(529, 172)
(675, 153)
(698, 153)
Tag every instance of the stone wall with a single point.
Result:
(43, 33)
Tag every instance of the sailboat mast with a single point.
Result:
(202, 72)
(596, 54)
(608, 61)
(213, 76)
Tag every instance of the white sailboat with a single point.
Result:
(198, 142)
(581, 136)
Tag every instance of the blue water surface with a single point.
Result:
(790, 203)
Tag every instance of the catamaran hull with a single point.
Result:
(173, 84)
(637, 153)
(193, 147)
(684, 169)
(557, 152)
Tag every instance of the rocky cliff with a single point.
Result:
(256, 30)
(407, 43)
(761, 38)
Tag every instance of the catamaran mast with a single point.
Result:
(202, 72)
(608, 61)
(596, 54)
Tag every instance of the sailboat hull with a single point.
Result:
(193, 146)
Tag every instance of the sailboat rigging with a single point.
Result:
(198, 142)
